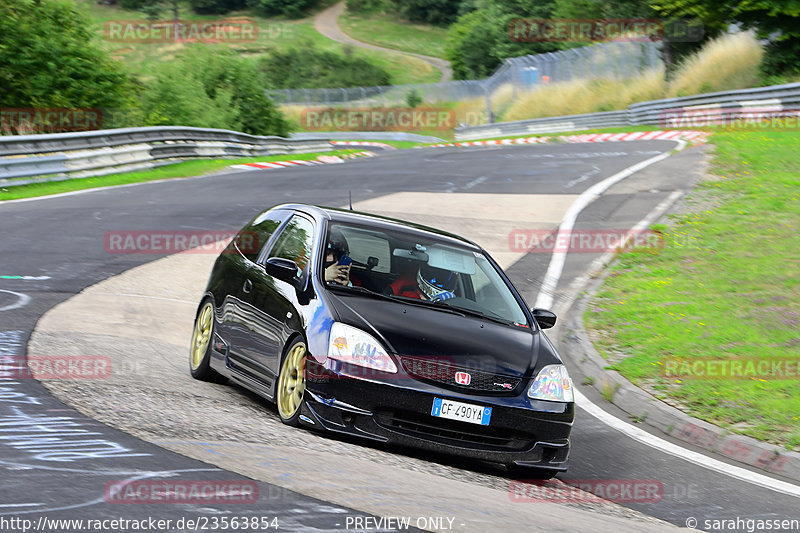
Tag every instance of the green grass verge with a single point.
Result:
(387, 31)
(178, 170)
(725, 285)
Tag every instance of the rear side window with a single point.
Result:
(254, 237)
(294, 242)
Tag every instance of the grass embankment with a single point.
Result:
(387, 31)
(724, 286)
(177, 170)
(273, 34)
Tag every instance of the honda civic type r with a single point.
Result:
(386, 330)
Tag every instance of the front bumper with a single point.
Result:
(522, 431)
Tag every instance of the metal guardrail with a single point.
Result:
(37, 158)
(28, 159)
(367, 136)
(544, 125)
(697, 109)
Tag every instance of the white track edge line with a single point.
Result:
(557, 260)
(691, 456)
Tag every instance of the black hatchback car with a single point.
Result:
(389, 331)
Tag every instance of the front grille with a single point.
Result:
(453, 432)
(444, 372)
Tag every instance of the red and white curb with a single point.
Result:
(364, 143)
(321, 160)
(694, 137)
(521, 140)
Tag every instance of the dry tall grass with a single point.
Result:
(587, 96)
(726, 63)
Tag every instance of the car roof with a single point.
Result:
(334, 214)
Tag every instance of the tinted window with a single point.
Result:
(252, 239)
(420, 265)
(294, 242)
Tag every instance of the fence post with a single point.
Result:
(489, 117)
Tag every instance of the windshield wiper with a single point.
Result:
(398, 299)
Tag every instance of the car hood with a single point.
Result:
(410, 330)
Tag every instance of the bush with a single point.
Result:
(413, 98)
(438, 12)
(134, 5)
(289, 8)
(216, 7)
(212, 89)
(310, 68)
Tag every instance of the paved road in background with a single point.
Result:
(327, 23)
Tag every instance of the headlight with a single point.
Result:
(552, 383)
(351, 345)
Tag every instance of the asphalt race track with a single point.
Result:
(145, 422)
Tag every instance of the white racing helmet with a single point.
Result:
(436, 283)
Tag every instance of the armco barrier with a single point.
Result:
(36, 158)
(702, 107)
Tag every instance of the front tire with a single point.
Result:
(200, 350)
(292, 383)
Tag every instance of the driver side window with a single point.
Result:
(295, 242)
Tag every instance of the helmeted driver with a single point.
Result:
(429, 283)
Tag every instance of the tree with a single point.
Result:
(777, 21)
(479, 41)
(49, 59)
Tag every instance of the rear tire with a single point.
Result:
(200, 350)
(292, 383)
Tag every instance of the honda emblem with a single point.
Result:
(463, 378)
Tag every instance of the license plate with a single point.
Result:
(474, 414)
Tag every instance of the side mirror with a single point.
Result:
(546, 319)
(283, 269)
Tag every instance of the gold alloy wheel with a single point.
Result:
(292, 381)
(202, 335)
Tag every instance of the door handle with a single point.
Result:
(248, 285)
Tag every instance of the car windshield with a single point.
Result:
(418, 265)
